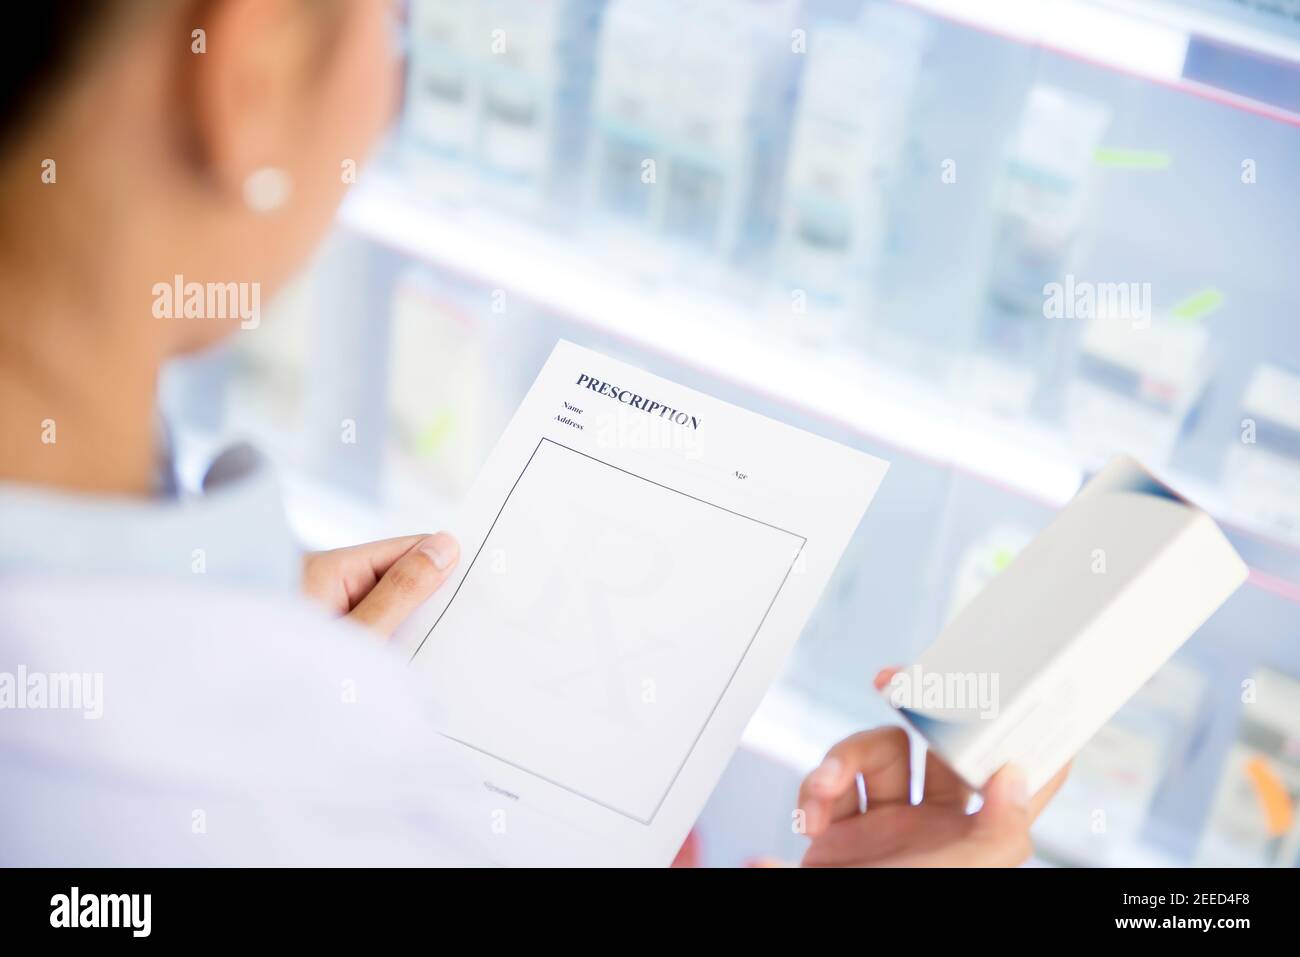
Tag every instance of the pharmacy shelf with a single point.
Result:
(709, 334)
(715, 336)
(1155, 40)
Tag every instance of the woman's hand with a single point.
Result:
(380, 583)
(893, 832)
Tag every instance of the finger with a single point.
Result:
(409, 581)
(1000, 829)
(884, 676)
(1001, 833)
(943, 785)
(882, 756)
(341, 577)
(819, 792)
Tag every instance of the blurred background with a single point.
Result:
(991, 241)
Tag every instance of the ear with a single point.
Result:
(246, 85)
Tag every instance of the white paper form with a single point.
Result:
(637, 560)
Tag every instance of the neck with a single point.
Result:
(77, 384)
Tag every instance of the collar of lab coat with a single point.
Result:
(233, 533)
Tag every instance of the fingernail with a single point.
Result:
(442, 548)
(827, 772)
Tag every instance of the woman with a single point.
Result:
(192, 707)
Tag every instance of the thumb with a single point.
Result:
(1000, 837)
(407, 584)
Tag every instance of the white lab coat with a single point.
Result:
(240, 725)
(236, 729)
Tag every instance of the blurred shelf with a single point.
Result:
(711, 335)
(714, 336)
(1191, 48)
(794, 731)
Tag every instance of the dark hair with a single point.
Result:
(39, 51)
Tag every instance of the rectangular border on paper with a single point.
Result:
(803, 541)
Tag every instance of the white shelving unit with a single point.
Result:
(1143, 38)
(714, 336)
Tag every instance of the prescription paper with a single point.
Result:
(637, 560)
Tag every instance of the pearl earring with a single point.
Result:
(267, 189)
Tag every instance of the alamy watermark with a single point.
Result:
(974, 691)
(179, 299)
(128, 911)
(1080, 299)
(612, 430)
(53, 691)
